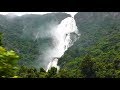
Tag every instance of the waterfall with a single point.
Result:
(64, 37)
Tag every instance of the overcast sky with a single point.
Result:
(22, 13)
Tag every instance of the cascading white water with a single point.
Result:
(62, 40)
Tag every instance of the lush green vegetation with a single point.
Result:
(8, 62)
(96, 54)
(103, 61)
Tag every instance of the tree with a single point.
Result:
(8, 62)
(42, 73)
(52, 72)
(22, 72)
(63, 73)
(87, 67)
(42, 70)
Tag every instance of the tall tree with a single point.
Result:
(87, 67)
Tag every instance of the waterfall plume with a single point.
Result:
(62, 38)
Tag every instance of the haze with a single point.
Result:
(22, 13)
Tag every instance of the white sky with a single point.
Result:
(22, 13)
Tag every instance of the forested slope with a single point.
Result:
(97, 52)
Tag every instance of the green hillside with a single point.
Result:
(97, 52)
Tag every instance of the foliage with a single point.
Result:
(87, 67)
(8, 63)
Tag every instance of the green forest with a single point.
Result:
(96, 54)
